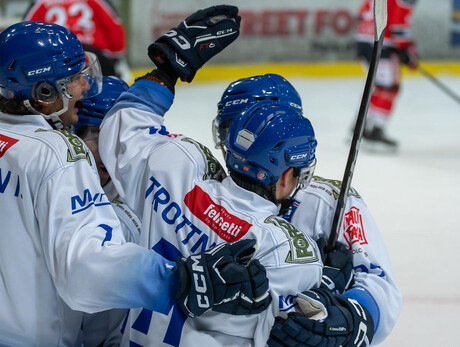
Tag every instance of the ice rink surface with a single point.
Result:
(413, 195)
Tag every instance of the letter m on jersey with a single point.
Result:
(81, 203)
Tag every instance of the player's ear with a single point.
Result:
(285, 177)
(285, 184)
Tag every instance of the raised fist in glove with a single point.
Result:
(196, 40)
(409, 55)
(338, 269)
(328, 320)
(224, 279)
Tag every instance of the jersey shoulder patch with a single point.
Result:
(75, 148)
(302, 248)
(213, 169)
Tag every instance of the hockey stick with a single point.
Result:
(380, 22)
(438, 83)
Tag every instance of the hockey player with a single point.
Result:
(104, 327)
(312, 211)
(90, 115)
(398, 47)
(174, 184)
(63, 251)
(96, 24)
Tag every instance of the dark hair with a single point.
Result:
(14, 107)
(83, 130)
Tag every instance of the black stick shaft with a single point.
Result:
(380, 22)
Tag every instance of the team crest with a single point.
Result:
(353, 227)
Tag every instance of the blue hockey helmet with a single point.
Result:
(92, 110)
(267, 139)
(242, 93)
(39, 60)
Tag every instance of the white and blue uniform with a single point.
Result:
(104, 328)
(63, 251)
(172, 183)
(373, 287)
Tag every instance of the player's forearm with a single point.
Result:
(119, 276)
(387, 298)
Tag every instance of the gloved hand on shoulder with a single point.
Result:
(223, 278)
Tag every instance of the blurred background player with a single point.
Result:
(398, 47)
(311, 210)
(97, 26)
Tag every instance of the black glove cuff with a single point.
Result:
(360, 315)
(163, 75)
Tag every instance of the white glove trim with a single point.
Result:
(311, 308)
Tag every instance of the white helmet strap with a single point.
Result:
(53, 118)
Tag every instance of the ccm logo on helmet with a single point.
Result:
(39, 71)
(299, 156)
(292, 104)
(237, 102)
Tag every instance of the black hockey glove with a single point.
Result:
(186, 48)
(336, 320)
(409, 56)
(223, 279)
(338, 268)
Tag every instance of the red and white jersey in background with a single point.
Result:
(93, 21)
(398, 32)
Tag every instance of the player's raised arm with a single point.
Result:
(131, 139)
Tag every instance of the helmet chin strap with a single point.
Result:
(53, 119)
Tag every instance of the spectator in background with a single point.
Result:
(97, 26)
(398, 47)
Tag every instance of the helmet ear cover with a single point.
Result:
(45, 92)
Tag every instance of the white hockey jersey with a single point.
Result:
(62, 246)
(172, 182)
(104, 328)
(313, 212)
